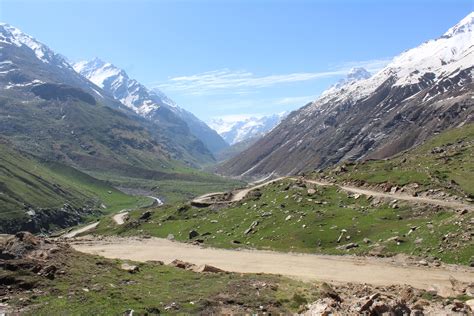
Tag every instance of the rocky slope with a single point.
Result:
(48, 109)
(420, 93)
(153, 105)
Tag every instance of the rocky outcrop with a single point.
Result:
(47, 219)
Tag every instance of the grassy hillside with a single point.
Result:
(94, 286)
(444, 162)
(290, 219)
(28, 183)
(288, 216)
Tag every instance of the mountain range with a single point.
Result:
(236, 129)
(153, 105)
(421, 92)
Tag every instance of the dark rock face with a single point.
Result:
(47, 219)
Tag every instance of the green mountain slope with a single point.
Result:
(37, 196)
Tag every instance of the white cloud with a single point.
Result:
(242, 82)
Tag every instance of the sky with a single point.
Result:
(228, 57)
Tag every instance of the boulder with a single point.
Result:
(129, 268)
(208, 268)
(145, 216)
(251, 227)
(348, 246)
(193, 234)
(327, 291)
(182, 264)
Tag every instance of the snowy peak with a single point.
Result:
(355, 74)
(10, 35)
(98, 71)
(358, 73)
(235, 129)
(150, 104)
(464, 26)
(116, 81)
(430, 62)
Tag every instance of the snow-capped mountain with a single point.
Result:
(50, 110)
(151, 104)
(421, 92)
(235, 129)
(355, 74)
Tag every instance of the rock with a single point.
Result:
(288, 218)
(129, 268)
(170, 237)
(145, 216)
(49, 271)
(423, 262)
(348, 246)
(182, 264)
(356, 196)
(327, 291)
(418, 241)
(172, 306)
(128, 312)
(366, 240)
(321, 307)
(420, 304)
(311, 191)
(193, 234)
(267, 214)
(470, 303)
(378, 251)
(251, 227)
(366, 305)
(208, 268)
(397, 239)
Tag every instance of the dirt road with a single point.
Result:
(119, 218)
(336, 269)
(399, 196)
(75, 232)
(238, 195)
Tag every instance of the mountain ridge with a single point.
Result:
(151, 104)
(422, 91)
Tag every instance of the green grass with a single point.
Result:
(25, 181)
(451, 170)
(314, 227)
(96, 286)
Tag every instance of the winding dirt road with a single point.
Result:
(308, 267)
(238, 195)
(75, 232)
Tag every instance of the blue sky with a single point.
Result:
(231, 57)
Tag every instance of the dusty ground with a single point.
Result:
(333, 269)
